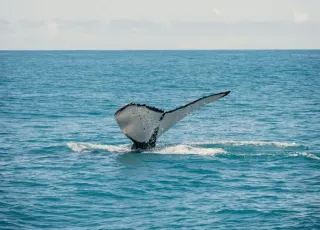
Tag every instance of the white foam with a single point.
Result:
(187, 149)
(82, 147)
(176, 149)
(194, 148)
(255, 143)
(305, 154)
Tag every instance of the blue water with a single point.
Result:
(251, 160)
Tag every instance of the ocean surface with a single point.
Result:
(250, 160)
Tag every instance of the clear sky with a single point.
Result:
(159, 24)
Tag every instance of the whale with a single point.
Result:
(144, 124)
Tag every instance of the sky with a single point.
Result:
(159, 24)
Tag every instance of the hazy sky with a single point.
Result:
(159, 24)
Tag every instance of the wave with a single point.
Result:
(254, 143)
(304, 154)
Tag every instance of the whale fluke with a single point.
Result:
(144, 124)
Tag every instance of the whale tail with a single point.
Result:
(144, 124)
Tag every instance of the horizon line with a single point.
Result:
(237, 49)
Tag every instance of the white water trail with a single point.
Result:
(254, 143)
(174, 149)
(188, 149)
(194, 148)
(83, 147)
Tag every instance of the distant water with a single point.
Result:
(248, 161)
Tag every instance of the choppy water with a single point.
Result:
(248, 161)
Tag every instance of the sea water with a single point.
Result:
(250, 160)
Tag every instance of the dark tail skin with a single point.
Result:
(143, 145)
(137, 145)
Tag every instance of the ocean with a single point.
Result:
(250, 160)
